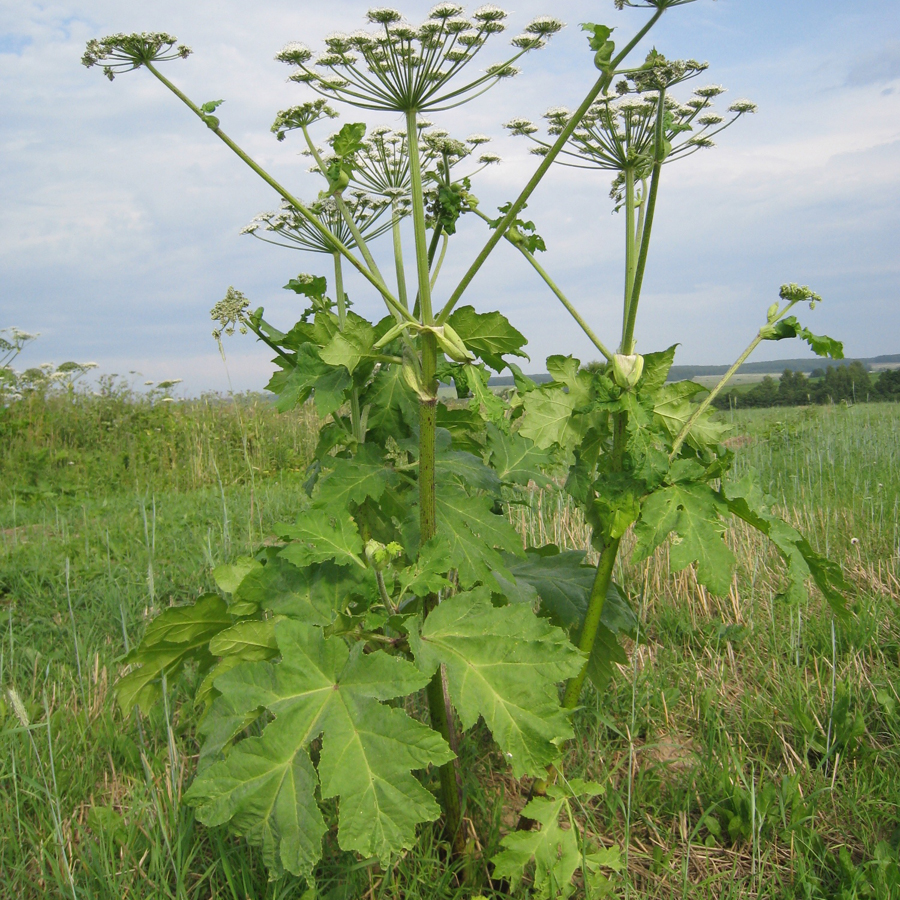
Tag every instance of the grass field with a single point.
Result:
(751, 748)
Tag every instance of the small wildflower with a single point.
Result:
(230, 313)
(445, 11)
(489, 14)
(743, 106)
(125, 52)
(294, 54)
(528, 42)
(383, 15)
(710, 91)
(544, 25)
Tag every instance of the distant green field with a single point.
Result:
(748, 749)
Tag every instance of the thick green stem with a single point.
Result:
(702, 407)
(438, 705)
(374, 279)
(398, 256)
(418, 213)
(658, 159)
(591, 624)
(355, 418)
(600, 85)
(629, 243)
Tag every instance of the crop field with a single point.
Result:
(749, 747)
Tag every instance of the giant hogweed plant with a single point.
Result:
(403, 574)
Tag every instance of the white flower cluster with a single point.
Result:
(230, 312)
(124, 52)
(401, 67)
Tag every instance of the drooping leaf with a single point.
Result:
(692, 511)
(790, 327)
(488, 335)
(517, 459)
(176, 635)
(265, 787)
(251, 640)
(502, 664)
(563, 585)
(393, 410)
(319, 535)
(464, 425)
(484, 401)
(747, 501)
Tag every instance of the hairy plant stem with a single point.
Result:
(438, 701)
(627, 347)
(630, 238)
(704, 405)
(398, 255)
(600, 85)
(437, 269)
(418, 213)
(355, 419)
(558, 293)
(372, 277)
(591, 624)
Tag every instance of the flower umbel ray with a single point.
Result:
(124, 52)
(400, 68)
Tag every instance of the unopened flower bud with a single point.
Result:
(627, 370)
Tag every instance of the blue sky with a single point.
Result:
(121, 212)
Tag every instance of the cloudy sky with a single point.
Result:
(121, 213)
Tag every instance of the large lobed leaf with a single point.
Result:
(266, 785)
(502, 664)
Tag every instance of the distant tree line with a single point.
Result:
(852, 383)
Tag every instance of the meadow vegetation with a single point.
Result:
(749, 745)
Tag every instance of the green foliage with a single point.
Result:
(174, 637)
(267, 785)
(556, 851)
(402, 570)
(502, 664)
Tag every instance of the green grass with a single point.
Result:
(748, 750)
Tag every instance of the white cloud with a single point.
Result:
(122, 211)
